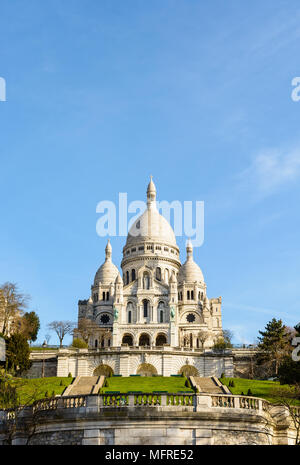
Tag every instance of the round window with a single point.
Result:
(190, 317)
(104, 319)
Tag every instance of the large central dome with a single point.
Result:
(151, 226)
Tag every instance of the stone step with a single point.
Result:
(207, 385)
(82, 385)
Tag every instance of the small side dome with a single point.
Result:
(190, 271)
(108, 272)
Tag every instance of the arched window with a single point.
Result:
(108, 343)
(127, 277)
(144, 340)
(96, 343)
(107, 296)
(146, 280)
(167, 275)
(191, 340)
(102, 343)
(95, 297)
(158, 273)
(127, 339)
(161, 311)
(146, 307)
(103, 295)
(129, 312)
(133, 275)
(192, 295)
(161, 340)
(188, 295)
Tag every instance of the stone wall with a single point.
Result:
(59, 438)
(197, 419)
(126, 362)
(168, 362)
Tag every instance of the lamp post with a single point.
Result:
(43, 366)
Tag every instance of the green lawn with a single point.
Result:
(259, 388)
(34, 389)
(146, 384)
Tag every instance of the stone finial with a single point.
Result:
(108, 250)
(151, 193)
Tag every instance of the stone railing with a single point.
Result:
(159, 399)
(147, 399)
(243, 402)
(60, 402)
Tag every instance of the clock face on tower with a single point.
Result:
(104, 319)
(190, 317)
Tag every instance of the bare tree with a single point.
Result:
(12, 306)
(203, 336)
(61, 328)
(86, 328)
(287, 398)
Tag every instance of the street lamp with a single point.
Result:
(44, 345)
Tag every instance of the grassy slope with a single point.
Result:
(146, 384)
(259, 388)
(33, 389)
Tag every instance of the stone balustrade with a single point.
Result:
(149, 418)
(139, 400)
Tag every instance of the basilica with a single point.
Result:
(158, 301)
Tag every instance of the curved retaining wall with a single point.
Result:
(180, 419)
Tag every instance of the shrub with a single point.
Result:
(249, 393)
(242, 394)
(53, 394)
(232, 383)
(70, 375)
(46, 394)
(222, 375)
(61, 383)
(187, 383)
(79, 343)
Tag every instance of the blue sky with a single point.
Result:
(102, 94)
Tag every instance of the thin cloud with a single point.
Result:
(265, 311)
(270, 170)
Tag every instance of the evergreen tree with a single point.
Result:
(274, 346)
(33, 325)
(17, 352)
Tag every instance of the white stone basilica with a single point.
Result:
(159, 302)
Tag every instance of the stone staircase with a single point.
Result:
(209, 385)
(84, 385)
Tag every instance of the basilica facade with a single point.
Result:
(158, 302)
